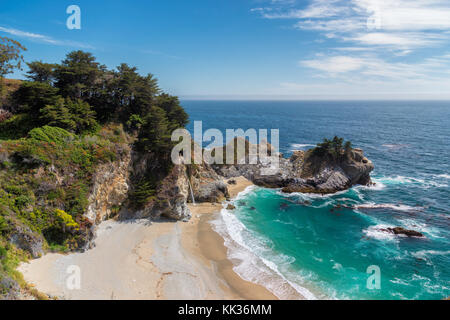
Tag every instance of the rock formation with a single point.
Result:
(110, 190)
(306, 172)
(403, 231)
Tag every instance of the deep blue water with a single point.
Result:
(325, 253)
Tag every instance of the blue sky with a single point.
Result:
(254, 49)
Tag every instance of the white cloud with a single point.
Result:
(44, 38)
(365, 67)
(338, 64)
(397, 40)
(403, 23)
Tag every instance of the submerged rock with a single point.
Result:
(403, 231)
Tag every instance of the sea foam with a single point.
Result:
(253, 257)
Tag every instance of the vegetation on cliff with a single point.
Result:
(56, 129)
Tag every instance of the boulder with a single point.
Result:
(231, 207)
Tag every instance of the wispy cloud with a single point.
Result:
(404, 23)
(44, 39)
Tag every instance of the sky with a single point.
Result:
(253, 49)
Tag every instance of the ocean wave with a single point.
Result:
(424, 254)
(254, 260)
(396, 207)
(246, 191)
(300, 146)
(400, 281)
(400, 180)
(311, 196)
(395, 146)
(421, 226)
(378, 232)
(377, 186)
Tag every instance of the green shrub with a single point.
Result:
(51, 135)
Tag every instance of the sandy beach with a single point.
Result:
(142, 259)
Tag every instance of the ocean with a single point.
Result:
(299, 241)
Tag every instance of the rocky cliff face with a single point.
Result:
(208, 186)
(170, 200)
(110, 190)
(171, 190)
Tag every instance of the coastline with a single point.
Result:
(161, 260)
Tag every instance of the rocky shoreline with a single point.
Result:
(302, 172)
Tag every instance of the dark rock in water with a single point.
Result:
(252, 208)
(231, 207)
(283, 206)
(409, 233)
(232, 181)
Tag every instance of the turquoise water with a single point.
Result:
(299, 241)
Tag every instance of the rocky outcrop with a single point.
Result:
(306, 172)
(24, 238)
(171, 189)
(403, 231)
(110, 190)
(207, 185)
(170, 200)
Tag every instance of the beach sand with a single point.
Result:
(139, 259)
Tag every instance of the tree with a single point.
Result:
(348, 149)
(76, 116)
(76, 75)
(336, 147)
(83, 115)
(58, 115)
(31, 97)
(176, 115)
(41, 72)
(134, 94)
(10, 57)
(154, 135)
